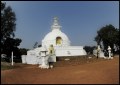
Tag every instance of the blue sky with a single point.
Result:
(80, 20)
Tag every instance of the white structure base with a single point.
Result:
(33, 58)
(108, 57)
(70, 51)
(100, 55)
(44, 66)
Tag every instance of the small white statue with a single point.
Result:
(98, 51)
(109, 51)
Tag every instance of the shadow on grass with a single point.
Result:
(7, 66)
(4, 67)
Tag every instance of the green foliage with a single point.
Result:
(7, 66)
(23, 51)
(89, 49)
(10, 45)
(8, 27)
(3, 67)
(108, 35)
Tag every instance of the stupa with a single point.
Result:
(56, 37)
(61, 45)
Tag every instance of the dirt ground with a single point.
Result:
(102, 72)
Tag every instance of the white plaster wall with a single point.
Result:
(69, 51)
(23, 58)
(33, 56)
(31, 59)
(95, 52)
(101, 55)
(53, 42)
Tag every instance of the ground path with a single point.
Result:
(102, 72)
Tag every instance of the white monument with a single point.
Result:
(12, 59)
(56, 37)
(109, 52)
(61, 45)
(98, 52)
(43, 54)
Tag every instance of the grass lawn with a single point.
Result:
(3, 67)
(6, 66)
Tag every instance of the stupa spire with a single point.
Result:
(55, 24)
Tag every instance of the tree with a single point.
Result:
(23, 51)
(10, 45)
(89, 49)
(108, 35)
(8, 27)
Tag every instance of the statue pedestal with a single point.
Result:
(44, 66)
(108, 57)
(45, 63)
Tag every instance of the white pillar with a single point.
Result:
(98, 51)
(45, 63)
(109, 51)
(12, 58)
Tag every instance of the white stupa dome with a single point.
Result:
(56, 37)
